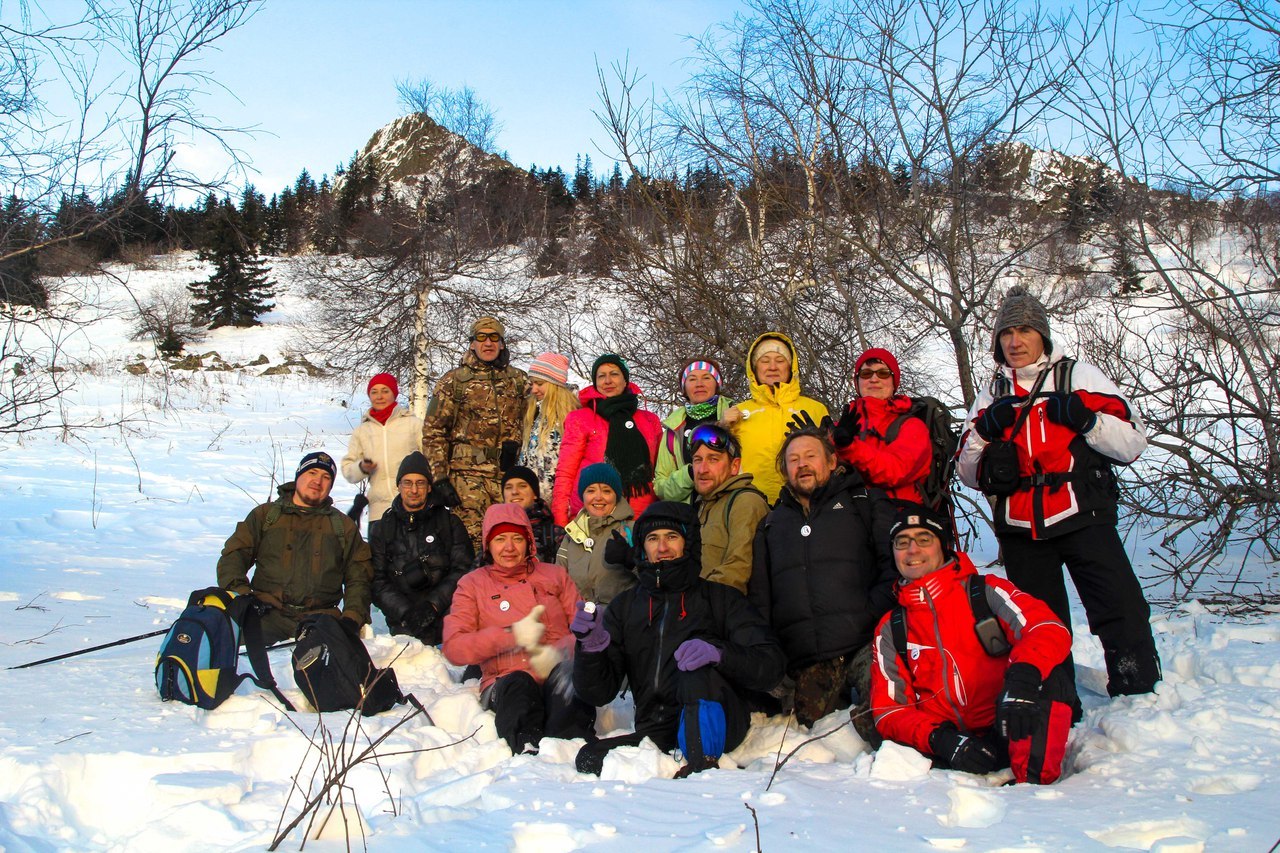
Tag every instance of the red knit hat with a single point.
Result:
(384, 379)
(505, 527)
(883, 355)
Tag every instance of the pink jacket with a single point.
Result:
(585, 437)
(489, 600)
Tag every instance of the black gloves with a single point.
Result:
(618, 550)
(508, 455)
(967, 753)
(804, 420)
(1018, 713)
(847, 428)
(446, 494)
(996, 418)
(1070, 411)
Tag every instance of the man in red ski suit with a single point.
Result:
(975, 694)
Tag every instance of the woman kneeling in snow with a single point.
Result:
(965, 669)
(511, 617)
(688, 646)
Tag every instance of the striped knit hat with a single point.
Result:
(551, 367)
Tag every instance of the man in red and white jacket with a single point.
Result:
(1050, 471)
(975, 694)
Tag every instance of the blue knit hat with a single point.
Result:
(601, 472)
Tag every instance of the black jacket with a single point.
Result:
(646, 625)
(823, 592)
(418, 559)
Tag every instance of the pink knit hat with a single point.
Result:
(551, 367)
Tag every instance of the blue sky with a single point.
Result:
(318, 76)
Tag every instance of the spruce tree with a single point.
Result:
(19, 275)
(237, 292)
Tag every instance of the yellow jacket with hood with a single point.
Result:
(765, 417)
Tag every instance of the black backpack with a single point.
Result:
(985, 623)
(944, 438)
(199, 659)
(333, 669)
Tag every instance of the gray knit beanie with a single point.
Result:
(1020, 308)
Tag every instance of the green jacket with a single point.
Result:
(301, 562)
(671, 480)
(729, 517)
(582, 553)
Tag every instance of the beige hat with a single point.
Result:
(488, 324)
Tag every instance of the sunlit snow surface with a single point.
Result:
(103, 534)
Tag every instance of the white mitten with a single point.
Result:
(529, 630)
(543, 659)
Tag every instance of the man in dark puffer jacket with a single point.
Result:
(420, 550)
(688, 646)
(822, 577)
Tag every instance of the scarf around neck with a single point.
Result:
(625, 448)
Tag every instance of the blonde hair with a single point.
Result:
(557, 402)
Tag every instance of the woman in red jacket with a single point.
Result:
(610, 427)
(511, 617)
(973, 693)
(895, 466)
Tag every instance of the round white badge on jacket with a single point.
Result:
(504, 606)
(631, 424)
(430, 539)
(806, 530)
(588, 543)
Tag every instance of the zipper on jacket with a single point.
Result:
(662, 632)
(942, 660)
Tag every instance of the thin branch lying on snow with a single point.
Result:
(780, 764)
(38, 637)
(31, 605)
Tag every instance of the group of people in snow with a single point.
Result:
(758, 556)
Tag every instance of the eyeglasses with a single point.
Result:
(715, 438)
(481, 337)
(922, 540)
(878, 372)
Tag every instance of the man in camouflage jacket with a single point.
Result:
(472, 430)
(308, 556)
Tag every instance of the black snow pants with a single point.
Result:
(1117, 610)
(525, 710)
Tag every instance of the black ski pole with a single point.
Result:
(284, 644)
(90, 649)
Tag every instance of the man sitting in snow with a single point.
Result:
(687, 645)
(964, 668)
(309, 555)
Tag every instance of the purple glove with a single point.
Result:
(695, 654)
(588, 627)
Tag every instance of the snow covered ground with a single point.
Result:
(103, 534)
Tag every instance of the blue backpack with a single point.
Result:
(199, 658)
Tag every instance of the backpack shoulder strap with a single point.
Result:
(978, 598)
(891, 433)
(248, 615)
(273, 515)
(1062, 374)
(1000, 385)
(339, 529)
(898, 631)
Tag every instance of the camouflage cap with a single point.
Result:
(488, 324)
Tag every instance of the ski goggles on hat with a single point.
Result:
(717, 438)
